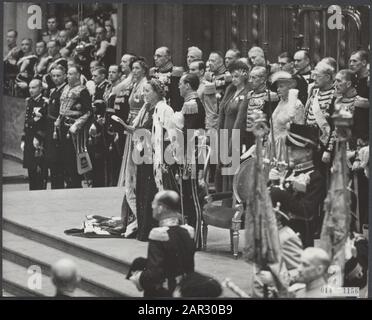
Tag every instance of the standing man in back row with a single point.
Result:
(169, 75)
(54, 155)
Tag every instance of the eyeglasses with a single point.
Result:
(158, 56)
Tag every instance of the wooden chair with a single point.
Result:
(228, 217)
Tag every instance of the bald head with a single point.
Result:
(166, 204)
(35, 87)
(65, 275)
(314, 264)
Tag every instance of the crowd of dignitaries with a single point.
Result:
(82, 111)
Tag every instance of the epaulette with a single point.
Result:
(177, 72)
(190, 107)
(159, 234)
(189, 229)
(209, 88)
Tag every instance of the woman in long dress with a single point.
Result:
(289, 110)
(157, 118)
(127, 176)
(232, 104)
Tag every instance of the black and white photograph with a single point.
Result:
(175, 150)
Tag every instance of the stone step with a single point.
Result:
(68, 247)
(15, 282)
(96, 279)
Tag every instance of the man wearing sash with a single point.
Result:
(75, 111)
(319, 109)
(194, 118)
(257, 99)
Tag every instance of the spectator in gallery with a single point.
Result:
(52, 32)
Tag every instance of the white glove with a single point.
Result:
(23, 146)
(364, 156)
(135, 279)
(73, 129)
(36, 143)
(326, 158)
(93, 130)
(274, 174)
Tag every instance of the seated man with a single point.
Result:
(170, 252)
(313, 272)
(303, 189)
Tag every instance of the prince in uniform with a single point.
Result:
(303, 189)
(75, 111)
(194, 119)
(53, 149)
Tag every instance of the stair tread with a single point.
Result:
(18, 275)
(89, 270)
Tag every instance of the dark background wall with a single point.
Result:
(144, 28)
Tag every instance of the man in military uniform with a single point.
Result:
(53, 151)
(302, 74)
(75, 111)
(169, 75)
(358, 63)
(303, 189)
(319, 109)
(113, 129)
(170, 252)
(257, 99)
(33, 138)
(97, 133)
(52, 32)
(193, 118)
(219, 78)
